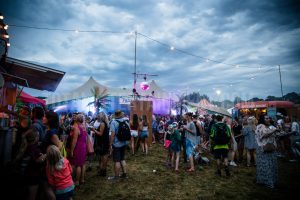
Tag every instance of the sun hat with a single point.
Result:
(119, 114)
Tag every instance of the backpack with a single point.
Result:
(124, 133)
(221, 136)
(197, 129)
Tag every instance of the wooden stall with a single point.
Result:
(143, 108)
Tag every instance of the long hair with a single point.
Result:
(80, 118)
(135, 121)
(145, 122)
(54, 158)
(103, 117)
(53, 120)
(251, 123)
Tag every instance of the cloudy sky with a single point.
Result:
(234, 46)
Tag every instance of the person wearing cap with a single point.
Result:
(117, 148)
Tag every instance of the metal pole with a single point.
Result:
(135, 75)
(280, 81)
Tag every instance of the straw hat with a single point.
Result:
(119, 114)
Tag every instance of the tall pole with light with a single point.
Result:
(280, 81)
(134, 74)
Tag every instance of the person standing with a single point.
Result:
(117, 147)
(78, 154)
(134, 127)
(143, 126)
(266, 163)
(250, 142)
(37, 115)
(220, 138)
(191, 140)
(102, 142)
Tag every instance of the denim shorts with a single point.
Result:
(118, 153)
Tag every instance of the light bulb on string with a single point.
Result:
(1, 17)
(6, 36)
(6, 27)
(8, 44)
(172, 48)
(76, 31)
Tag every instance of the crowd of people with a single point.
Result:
(53, 151)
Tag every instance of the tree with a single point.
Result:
(100, 99)
(181, 105)
(237, 100)
(255, 99)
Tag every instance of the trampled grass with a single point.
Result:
(143, 183)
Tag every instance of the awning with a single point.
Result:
(26, 98)
(265, 104)
(36, 76)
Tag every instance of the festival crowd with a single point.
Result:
(52, 152)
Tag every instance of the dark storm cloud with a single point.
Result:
(246, 34)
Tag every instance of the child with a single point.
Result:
(32, 160)
(175, 145)
(59, 174)
(167, 144)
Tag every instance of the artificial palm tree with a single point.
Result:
(100, 99)
(181, 105)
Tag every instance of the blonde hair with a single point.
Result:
(54, 158)
(103, 117)
(80, 118)
(251, 121)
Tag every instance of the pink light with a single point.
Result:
(144, 86)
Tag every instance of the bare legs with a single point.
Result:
(176, 162)
(80, 174)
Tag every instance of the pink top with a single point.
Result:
(61, 179)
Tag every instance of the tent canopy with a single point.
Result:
(26, 98)
(84, 91)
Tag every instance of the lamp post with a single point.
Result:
(134, 74)
(280, 81)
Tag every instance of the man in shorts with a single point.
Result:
(117, 148)
(220, 137)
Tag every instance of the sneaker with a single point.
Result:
(232, 163)
(113, 178)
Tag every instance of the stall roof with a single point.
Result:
(36, 76)
(265, 104)
(26, 98)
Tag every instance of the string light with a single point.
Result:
(1, 17)
(6, 27)
(8, 44)
(6, 36)
(145, 36)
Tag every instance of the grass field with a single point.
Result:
(143, 183)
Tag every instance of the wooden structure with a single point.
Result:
(143, 108)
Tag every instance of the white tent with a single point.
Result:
(84, 91)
